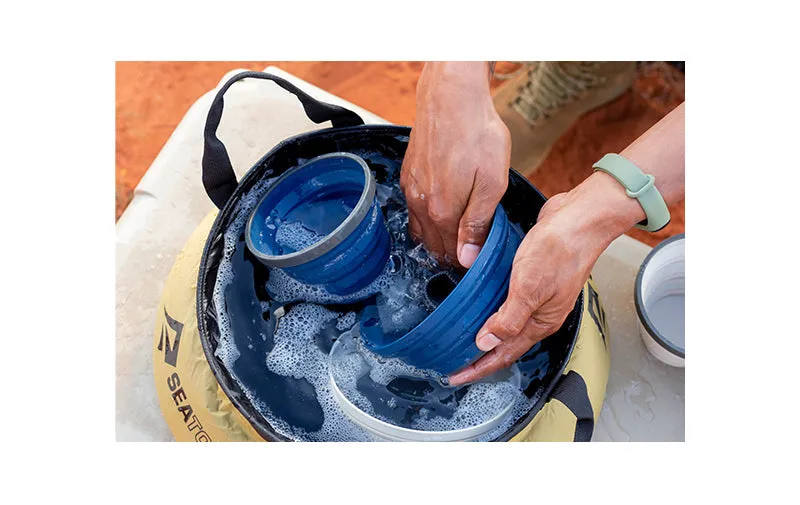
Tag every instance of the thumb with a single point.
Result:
(474, 227)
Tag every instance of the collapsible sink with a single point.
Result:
(321, 223)
(268, 401)
(445, 340)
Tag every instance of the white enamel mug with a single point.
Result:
(659, 296)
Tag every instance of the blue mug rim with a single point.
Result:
(331, 240)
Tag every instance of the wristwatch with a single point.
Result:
(637, 185)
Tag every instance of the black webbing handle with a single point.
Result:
(219, 179)
(571, 391)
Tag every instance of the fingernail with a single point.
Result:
(487, 342)
(467, 254)
(455, 379)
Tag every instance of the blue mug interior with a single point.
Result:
(309, 204)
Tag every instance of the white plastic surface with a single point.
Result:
(644, 399)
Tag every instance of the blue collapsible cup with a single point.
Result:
(445, 340)
(321, 223)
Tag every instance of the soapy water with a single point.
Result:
(297, 354)
(226, 349)
(305, 226)
(346, 321)
(293, 236)
(405, 396)
(304, 331)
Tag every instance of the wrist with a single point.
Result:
(602, 209)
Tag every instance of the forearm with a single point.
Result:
(660, 152)
(448, 91)
(600, 203)
(469, 77)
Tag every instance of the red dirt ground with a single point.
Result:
(152, 97)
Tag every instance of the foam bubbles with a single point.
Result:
(294, 341)
(295, 354)
(226, 350)
(346, 321)
(480, 403)
(382, 370)
(285, 289)
(293, 236)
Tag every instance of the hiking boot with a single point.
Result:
(542, 102)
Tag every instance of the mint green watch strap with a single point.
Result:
(637, 185)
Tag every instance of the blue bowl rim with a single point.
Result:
(331, 240)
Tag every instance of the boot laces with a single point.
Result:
(552, 85)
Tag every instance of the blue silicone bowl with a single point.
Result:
(445, 340)
(321, 223)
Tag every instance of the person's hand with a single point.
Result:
(455, 170)
(556, 257)
(550, 268)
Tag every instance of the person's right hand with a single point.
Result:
(455, 170)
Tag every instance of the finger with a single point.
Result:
(430, 235)
(409, 157)
(525, 295)
(508, 322)
(414, 227)
(444, 212)
(502, 356)
(477, 218)
(420, 225)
